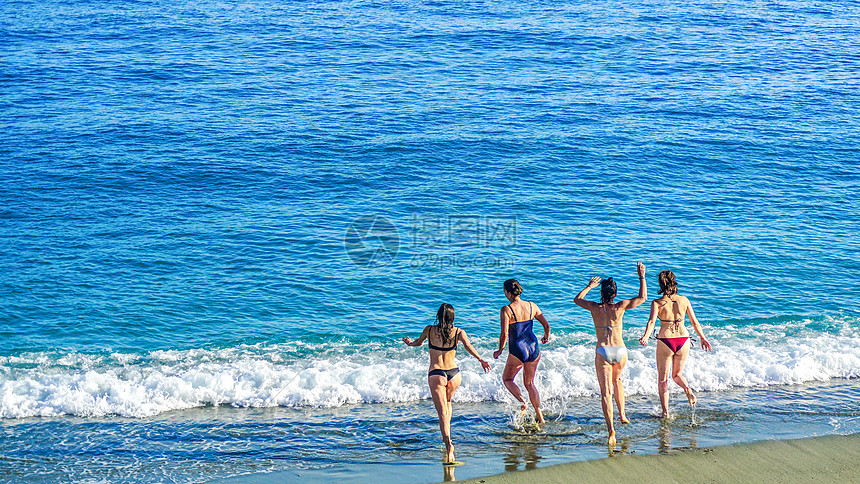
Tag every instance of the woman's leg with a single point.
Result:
(439, 392)
(529, 370)
(664, 362)
(512, 367)
(619, 389)
(604, 376)
(678, 362)
(452, 386)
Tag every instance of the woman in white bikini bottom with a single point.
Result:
(612, 354)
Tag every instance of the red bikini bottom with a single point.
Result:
(675, 344)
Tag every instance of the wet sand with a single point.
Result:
(820, 459)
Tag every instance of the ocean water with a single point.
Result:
(218, 219)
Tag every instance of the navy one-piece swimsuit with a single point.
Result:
(523, 342)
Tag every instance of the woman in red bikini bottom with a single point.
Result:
(673, 341)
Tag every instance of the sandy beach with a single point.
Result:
(219, 221)
(822, 459)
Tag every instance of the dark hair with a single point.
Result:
(608, 291)
(445, 322)
(667, 282)
(513, 286)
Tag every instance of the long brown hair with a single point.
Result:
(668, 286)
(445, 322)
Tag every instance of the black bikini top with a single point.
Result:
(439, 348)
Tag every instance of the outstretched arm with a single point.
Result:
(698, 327)
(542, 319)
(652, 318)
(503, 335)
(580, 300)
(420, 340)
(471, 349)
(643, 290)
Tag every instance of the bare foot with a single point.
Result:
(665, 415)
(625, 420)
(690, 396)
(523, 410)
(449, 453)
(611, 441)
(539, 416)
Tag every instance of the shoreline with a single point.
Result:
(833, 458)
(495, 451)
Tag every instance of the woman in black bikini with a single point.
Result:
(673, 341)
(444, 376)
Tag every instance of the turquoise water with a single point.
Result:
(230, 213)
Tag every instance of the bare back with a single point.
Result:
(671, 311)
(608, 324)
(441, 359)
(522, 311)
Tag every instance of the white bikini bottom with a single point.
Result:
(612, 354)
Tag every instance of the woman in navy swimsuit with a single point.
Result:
(517, 320)
(444, 376)
(673, 341)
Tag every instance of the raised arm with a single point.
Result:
(580, 300)
(420, 340)
(503, 335)
(698, 327)
(652, 318)
(464, 338)
(643, 290)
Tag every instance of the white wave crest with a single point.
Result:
(129, 385)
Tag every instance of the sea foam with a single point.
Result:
(330, 375)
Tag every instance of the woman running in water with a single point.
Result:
(611, 354)
(444, 376)
(673, 341)
(517, 319)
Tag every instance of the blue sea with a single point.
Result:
(218, 219)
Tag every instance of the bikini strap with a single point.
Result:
(454, 337)
(441, 348)
(676, 323)
(531, 310)
(513, 314)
